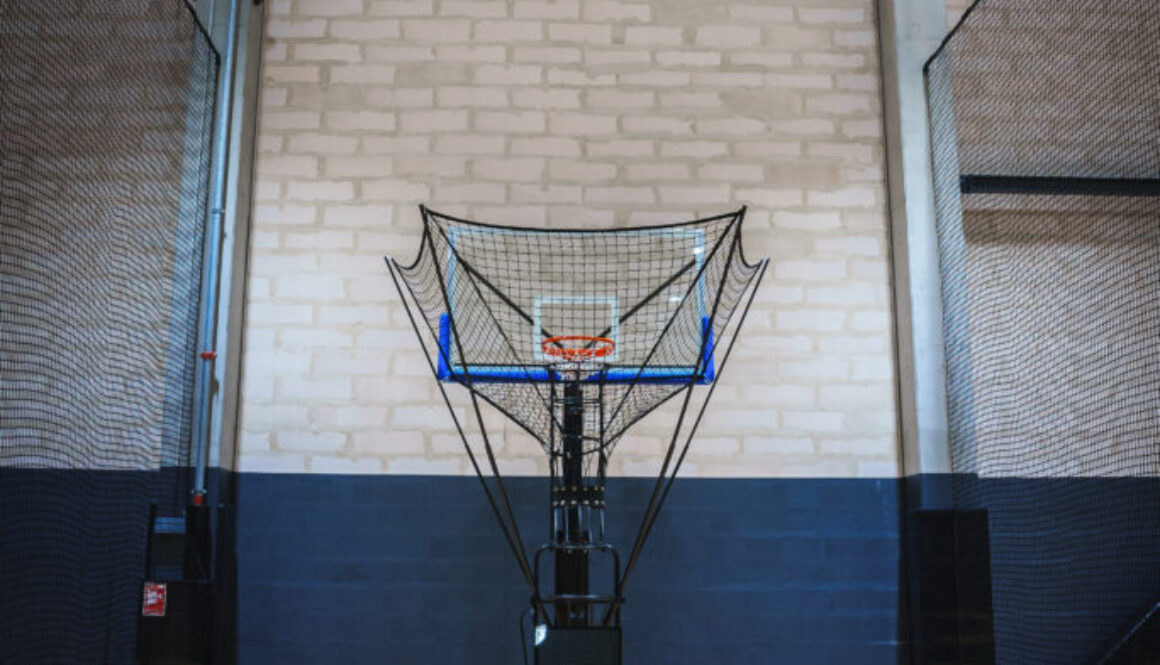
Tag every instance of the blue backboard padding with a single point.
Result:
(534, 374)
(707, 333)
(444, 373)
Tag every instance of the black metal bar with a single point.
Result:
(149, 543)
(476, 275)
(197, 543)
(501, 490)
(201, 28)
(472, 275)
(391, 264)
(1118, 648)
(494, 289)
(611, 613)
(669, 324)
(572, 564)
(553, 518)
(602, 470)
(644, 301)
(516, 550)
(950, 35)
(704, 405)
(1052, 186)
(653, 507)
(586, 231)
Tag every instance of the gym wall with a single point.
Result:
(360, 532)
(568, 114)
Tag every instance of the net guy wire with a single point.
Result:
(517, 550)
(501, 490)
(652, 511)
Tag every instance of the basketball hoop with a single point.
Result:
(564, 347)
(491, 309)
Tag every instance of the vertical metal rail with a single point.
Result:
(572, 562)
(211, 258)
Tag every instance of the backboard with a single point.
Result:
(655, 280)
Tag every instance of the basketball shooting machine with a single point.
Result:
(575, 335)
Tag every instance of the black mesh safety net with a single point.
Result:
(1045, 125)
(491, 297)
(106, 112)
(575, 335)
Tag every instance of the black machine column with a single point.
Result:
(572, 559)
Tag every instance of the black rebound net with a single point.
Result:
(106, 111)
(576, 335)
(492, 296)
(1046, 136)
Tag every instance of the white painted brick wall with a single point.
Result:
(570, 112)
(955, 11)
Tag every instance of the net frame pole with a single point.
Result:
(651, 507)
(500, 488)
(211, 257)
(471, 273)
(755, 282)
(455, 420)
(731, 228)
(704, 405)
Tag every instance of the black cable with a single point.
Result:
(653, 507)
(518, 544)
(700, 273)
(462, 435)
(614, 607)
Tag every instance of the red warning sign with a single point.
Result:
(153, 600)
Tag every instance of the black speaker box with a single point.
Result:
(579, 646)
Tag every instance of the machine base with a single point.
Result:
(580, 646)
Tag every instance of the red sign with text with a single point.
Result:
(153, 602)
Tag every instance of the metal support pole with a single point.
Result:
(909, 31)
(572, 564)
(211, 258)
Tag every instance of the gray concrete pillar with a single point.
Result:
(910, 31)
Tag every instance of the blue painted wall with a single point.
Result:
(413, 569)
(407, 569)
(72, 558)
